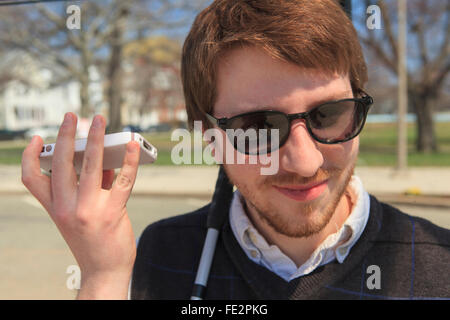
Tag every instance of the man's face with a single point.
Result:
(301, 197)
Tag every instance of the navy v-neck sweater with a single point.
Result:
(411, 258)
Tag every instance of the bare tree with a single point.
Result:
(147, 59)
(428, 57)
(107, 26)
(114, 87)
(45, 36)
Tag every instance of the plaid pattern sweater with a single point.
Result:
(412, 254)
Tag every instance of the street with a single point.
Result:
(34, 257)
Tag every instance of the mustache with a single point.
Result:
(295, 179)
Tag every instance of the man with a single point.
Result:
(309, 231)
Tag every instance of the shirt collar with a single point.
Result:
(335, 246)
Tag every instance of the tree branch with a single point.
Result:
(441, 75)
(444, 51)
(389, 31)
(60, 23)
(387, 61)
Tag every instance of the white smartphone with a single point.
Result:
(113, 154)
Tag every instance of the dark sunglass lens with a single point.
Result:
(254, 133)
(338, 121)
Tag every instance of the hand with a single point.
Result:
(90, 213)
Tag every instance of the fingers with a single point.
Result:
(121, 189)
(64, 178)
(37, 183)
(92, 169)
(108, 179)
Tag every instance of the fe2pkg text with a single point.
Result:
(230, 309)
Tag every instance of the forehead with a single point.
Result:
(248, 79)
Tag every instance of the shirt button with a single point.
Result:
(342, 251)
(254, 254)
(252, 237)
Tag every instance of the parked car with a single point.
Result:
(161, 127)
(131, 128)
(46, 132)
(6, 134)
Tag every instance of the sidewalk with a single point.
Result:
(429, 185)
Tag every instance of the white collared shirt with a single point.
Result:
(335, 246)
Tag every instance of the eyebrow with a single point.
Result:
(332, 97)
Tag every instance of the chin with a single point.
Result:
(295, 218)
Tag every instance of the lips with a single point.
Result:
(303, 192)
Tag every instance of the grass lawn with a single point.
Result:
(11, 151)
(377, 147)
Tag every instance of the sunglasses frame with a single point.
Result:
(366, 101)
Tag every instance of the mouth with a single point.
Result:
(303, 192)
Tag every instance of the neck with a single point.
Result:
(300, 249)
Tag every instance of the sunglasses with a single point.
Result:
(331, 122)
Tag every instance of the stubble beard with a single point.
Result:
(307, 219)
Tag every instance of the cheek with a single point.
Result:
(244, 174)
(244, 177)
(340, 155)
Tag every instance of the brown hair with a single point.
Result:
(309, 33)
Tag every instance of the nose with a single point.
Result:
(300, 154)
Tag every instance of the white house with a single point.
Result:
(27, 100)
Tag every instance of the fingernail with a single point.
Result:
(97, 122)
(67, 118)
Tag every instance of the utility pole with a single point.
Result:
(402, 137)
(347, 6)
